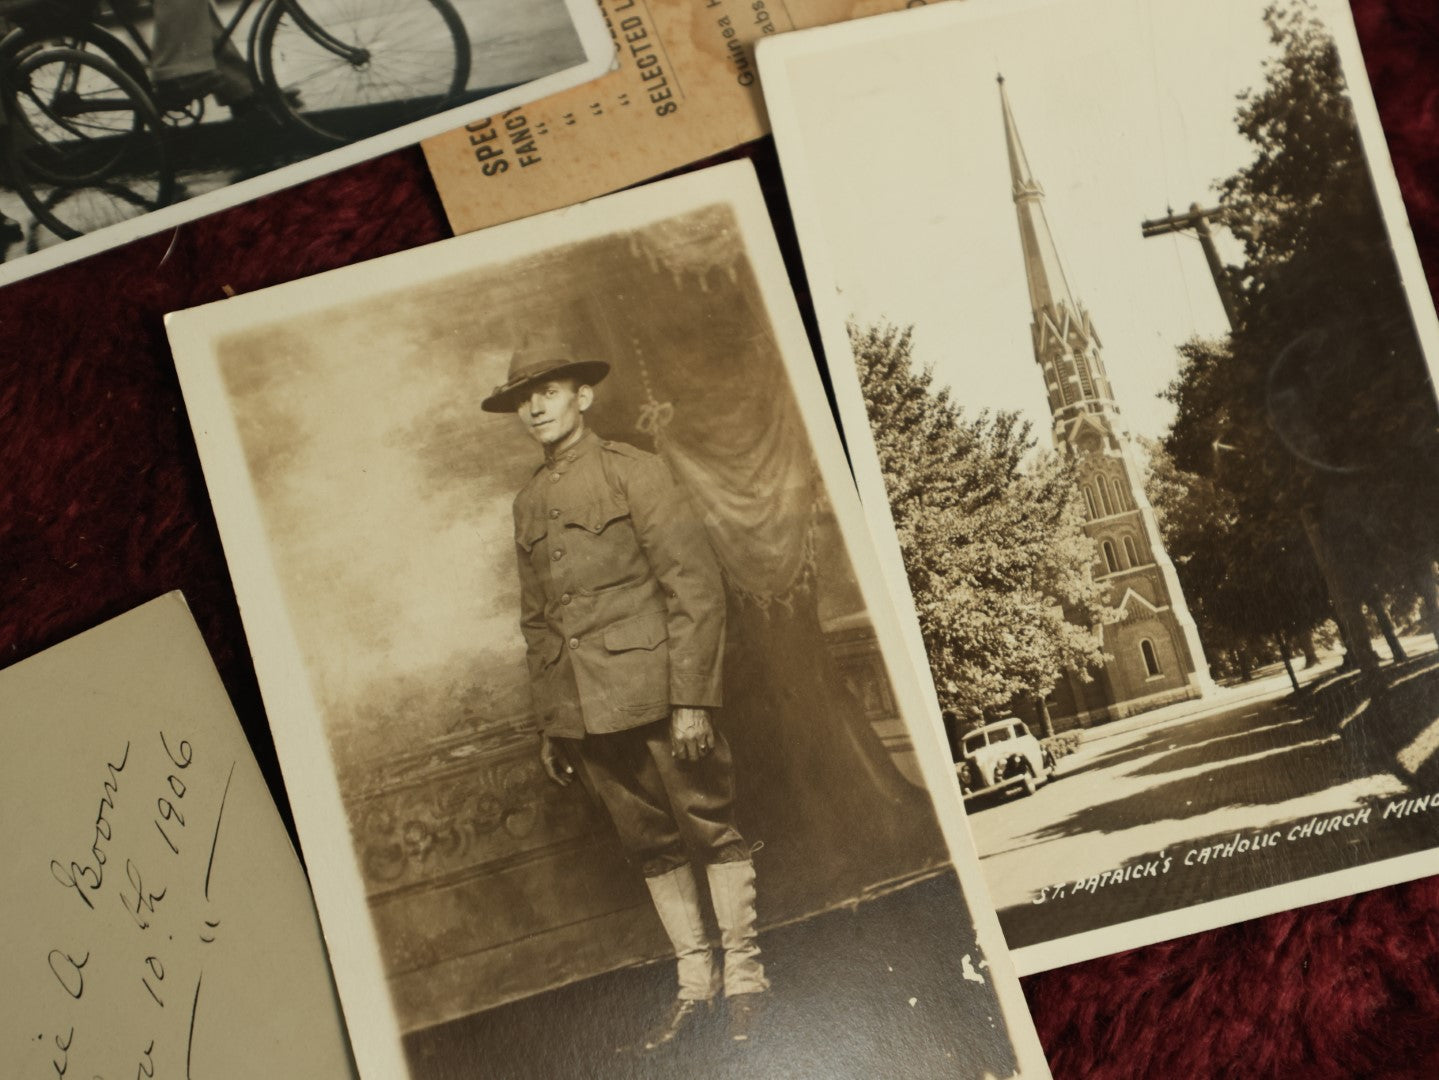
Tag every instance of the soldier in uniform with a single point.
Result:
(623, 613)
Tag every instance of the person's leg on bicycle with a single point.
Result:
(184, 61)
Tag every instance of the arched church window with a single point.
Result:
(1104, 497)
(1119, 503)
(1089, 503)
(1110, 558)
(1151, 661)
(1130, 551)
(1086, 383)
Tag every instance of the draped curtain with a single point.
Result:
(698, 377)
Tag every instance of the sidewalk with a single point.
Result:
(1267, 687)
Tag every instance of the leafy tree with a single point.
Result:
(1325, 327)
(1320, 408)
(996, 555)
(1249, 576)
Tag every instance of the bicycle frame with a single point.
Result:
(317, 33)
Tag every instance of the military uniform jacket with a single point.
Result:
(621, 601)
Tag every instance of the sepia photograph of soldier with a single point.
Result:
(623, 611)
(557, 582)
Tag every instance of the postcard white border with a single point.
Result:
(774, 55)
(599, 51)
(295, 718)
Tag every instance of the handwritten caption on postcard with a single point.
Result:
(1257, 842)
(132, 915)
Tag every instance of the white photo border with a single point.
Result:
(598, 47)
(295, 717)
(774, 55)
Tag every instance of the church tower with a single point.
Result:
(1156, 654)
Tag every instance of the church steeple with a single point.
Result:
(1048, 287)
(1154, 655)
(1066, 345)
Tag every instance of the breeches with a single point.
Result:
(185, 36)
(662, 806)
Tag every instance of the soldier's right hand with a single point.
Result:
(554, 764)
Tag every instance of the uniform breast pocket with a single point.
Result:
(530, 531)
(599, 516)
(601, 536)
(637, 662)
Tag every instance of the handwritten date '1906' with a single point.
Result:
(143, 903)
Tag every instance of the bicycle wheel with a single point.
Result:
(345, 69)
(86, 146)
(27, 98)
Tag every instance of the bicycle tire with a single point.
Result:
(65, 33)
(20, 45)
(140, 141)
(283, 46)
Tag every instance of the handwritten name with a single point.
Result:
(92, 874)
(86, 878)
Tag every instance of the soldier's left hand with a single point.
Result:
(692, 736)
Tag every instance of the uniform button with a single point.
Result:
(565, 599)
(554, 478)
(554, 513)
(558, 554)
(574, 643)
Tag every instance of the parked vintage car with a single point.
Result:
(1000, 756)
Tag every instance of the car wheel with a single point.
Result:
(966, 777)
(1051, 767)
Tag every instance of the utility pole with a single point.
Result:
(1198, 220)
(1348, 610)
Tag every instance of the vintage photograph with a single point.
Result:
(1129, 339)
(685, 87)
(603, 743)
(119, 118)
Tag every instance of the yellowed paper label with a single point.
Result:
(685, 86)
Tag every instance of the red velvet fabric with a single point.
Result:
(103, 506)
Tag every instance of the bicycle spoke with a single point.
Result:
(83, 140)
(374, 64)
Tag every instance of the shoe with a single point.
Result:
(181, 92)
(743, 1016)
(259, 110)
(11, 232)
(686, 1016)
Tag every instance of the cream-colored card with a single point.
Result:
(157, 921)
(686, 86)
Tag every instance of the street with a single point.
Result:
(1258, 787)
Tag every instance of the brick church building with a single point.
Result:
(1155, 654)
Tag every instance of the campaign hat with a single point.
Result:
(535, 363)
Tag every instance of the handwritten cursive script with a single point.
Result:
(91, 875)
(150, 906)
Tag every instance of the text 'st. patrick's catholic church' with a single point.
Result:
(1156, 654)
